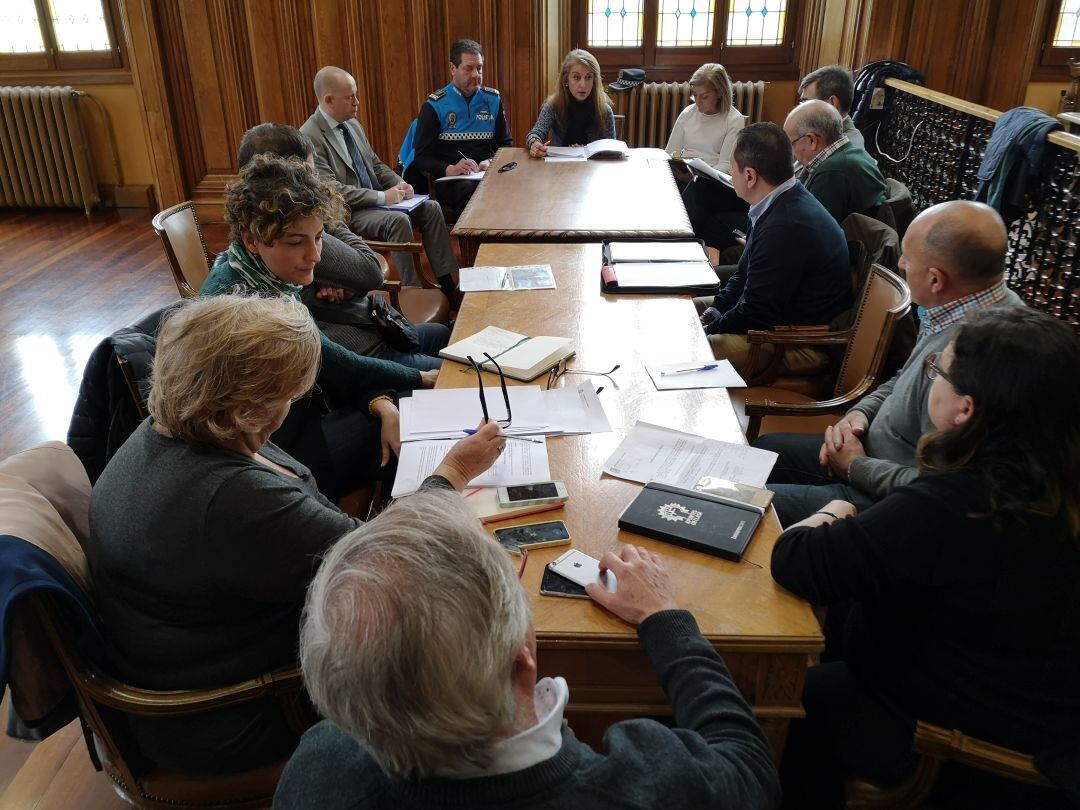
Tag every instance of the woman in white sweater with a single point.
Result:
(707, 129)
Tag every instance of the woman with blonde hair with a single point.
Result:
(204, 534)
(579, 112)
(707, 129)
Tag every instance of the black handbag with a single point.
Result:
(398, 332)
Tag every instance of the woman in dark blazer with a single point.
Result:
(959, 594)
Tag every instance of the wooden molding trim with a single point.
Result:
(48, 78)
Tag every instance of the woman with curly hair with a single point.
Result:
(204, 534)
(960, 593)
(276, 211)
(578, 112)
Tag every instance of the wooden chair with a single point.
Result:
(104, 702)
(414, 249)
(185, 247)
(939, 746)
(885, 299)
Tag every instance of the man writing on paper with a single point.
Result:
(459, 128)
(344, 156)
(843, 177)
(954, 261)
(795, 268)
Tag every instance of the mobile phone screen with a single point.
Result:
(530, 492)
(517, 537)
(554, 585)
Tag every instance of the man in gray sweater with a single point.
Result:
(953, 258)
(418, 646)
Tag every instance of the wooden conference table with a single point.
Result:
(764, 633)
(573, 202)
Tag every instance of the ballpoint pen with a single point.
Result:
(472, 432)
(709, 367)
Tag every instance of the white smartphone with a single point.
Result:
(533, 494)
(583, 569)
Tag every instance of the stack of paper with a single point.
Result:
(405, 205)
(703, 169)
(654, 453)
(521, 462)
(656, 252)
(446, 413)
(521, 277)
(711, 374)
(573, 411)
(474, 176)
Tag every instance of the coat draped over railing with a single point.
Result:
(934, 143)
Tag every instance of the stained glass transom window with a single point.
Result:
(19, 29)
(686, 23)
(1067, 31)
(757, 22)
(616, 23)
(79, 25)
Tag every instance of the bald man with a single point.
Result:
(954, 260)
(344, 156)
(843, 177)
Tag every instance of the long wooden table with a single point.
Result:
(573, 202)
(765, 633)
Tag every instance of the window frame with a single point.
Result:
(53, 59)
(1050, 66)
(743, 62)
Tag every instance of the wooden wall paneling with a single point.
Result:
(1014, 50)
(147, 70)
(180, 93)
(955, 69)
(883, 32)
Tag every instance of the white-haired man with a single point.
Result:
(418, 647)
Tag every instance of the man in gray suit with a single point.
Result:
(344, 156)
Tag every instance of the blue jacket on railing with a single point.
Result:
(1013, 160)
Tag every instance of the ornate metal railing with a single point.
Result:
(934, 143)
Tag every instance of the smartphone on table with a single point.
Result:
(533, 494)
(533, 535)
(554, 585)
(580, 568)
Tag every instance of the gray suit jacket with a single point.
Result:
(334, 163)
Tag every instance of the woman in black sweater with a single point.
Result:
(960, 594)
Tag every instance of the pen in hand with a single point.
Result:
(709, 367)
(469, 160)
(472, 431)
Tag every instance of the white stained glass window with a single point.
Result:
(19, 28)
(1067, 32)
(616, 23)
(757, 22)
(686, 23)
(79, 25)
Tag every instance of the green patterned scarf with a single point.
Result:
(254, 271)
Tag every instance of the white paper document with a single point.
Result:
(520, 463)
(665, 274)
(446, 413)
(564, 158)
(699, 166)
(574, 411)
(520, 277)
(678, 376)
(405, 205)
(655, 453)
(474, 176)
(656, 252)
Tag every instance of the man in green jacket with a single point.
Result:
(843, 177)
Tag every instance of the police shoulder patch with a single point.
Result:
(437, 95)
(491, 90)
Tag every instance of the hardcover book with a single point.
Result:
(692, 519)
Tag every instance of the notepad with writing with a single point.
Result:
(520, 356)
(692, 519)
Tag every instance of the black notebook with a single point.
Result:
(691, 519)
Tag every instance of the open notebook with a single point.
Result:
(520, 357)
(604, 148)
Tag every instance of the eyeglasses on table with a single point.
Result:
(502, 383)
(560, 369)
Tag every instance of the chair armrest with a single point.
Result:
(394, 247)
(798, 336)
(940, 743)
(835, 405)
(392, 289)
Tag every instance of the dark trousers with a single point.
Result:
(715, 211)
(801, 485)
(433, 338)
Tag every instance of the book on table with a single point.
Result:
(517, 277)
(694, 519)
(694, 278)
(603, 148)
(520, 356)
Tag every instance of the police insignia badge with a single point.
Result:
(451, 119)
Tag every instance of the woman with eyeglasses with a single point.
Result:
(204, 534)
(961, 591)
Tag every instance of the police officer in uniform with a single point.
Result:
(459, 128)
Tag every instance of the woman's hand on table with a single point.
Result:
(428, 378)
(537, 149)
(473, 455)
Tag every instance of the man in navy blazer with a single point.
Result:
(795, 269)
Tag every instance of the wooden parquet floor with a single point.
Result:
(66, 281)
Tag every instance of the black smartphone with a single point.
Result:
(554, 585)
(533, 535)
